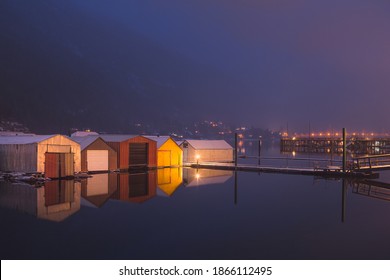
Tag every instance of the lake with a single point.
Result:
(177, 213)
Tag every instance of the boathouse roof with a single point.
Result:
(24, 139)
(209, 144)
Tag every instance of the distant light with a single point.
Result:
(293, 153)
(197, 157)
(294, 139)
(197, 176)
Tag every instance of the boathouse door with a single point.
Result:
(138, 154)
(59, 165)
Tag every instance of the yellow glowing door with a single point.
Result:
(164, 158)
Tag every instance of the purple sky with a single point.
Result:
(327, 62)
(323, 62)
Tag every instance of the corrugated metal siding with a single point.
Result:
(116, 146)
(208, 155)
(18, 157)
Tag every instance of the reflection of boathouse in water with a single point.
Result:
(98, 189)
(136, 187)
(198, 177)
(55, 201)
(169, 179)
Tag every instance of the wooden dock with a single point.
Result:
(378, 162)
(331, 171)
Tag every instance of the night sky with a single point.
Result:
(106, 64)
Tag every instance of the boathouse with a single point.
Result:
(133, 151)
(168, 152)
(206, 151)
(96, 155)
(55, 155)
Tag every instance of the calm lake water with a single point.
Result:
(195, 214)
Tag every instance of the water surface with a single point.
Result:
(195, 214)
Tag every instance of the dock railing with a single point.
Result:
(372, 162)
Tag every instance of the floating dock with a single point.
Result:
(331, 171)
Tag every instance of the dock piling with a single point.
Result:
(235, 148)
(344, 150)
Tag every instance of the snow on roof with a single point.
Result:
(15, 133)
(209, 144)
(179, 142)
(85, 141)
(83, 133)
(116, 137)
(159, 139)
(24, 139)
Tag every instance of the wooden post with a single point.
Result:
(235, 148)
(235, 187)
(344, 150)
(259, 151)
(343, 199)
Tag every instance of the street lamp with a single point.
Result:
(197, 159)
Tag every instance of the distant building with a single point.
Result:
(206, 151)
(83, 133)
(55, 155)
(96, 155)
(169, 152)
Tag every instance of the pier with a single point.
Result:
(330, 171)
(371, 145)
